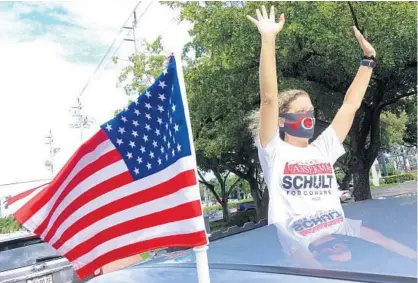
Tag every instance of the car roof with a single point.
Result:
(16, 236)
(262, 246)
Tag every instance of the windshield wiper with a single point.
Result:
(46, 258)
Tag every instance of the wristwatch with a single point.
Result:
(368, 63)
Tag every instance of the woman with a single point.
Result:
(304, 202)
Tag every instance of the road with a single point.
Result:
(408, 187)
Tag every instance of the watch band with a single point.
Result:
(369, 57)
(368, 63)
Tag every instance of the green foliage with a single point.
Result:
(393, 128)
(241, 217)
(399, 178)
(9, 224)
(316, 52)
(144, 67)
(231, 204)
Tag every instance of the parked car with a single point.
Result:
(244, 206)
(257, 256)
(347, 194)
(25, 258)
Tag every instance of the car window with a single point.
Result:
(22, 253)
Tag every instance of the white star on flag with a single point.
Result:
(161, 96)
(162, 84)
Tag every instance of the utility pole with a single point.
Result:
(82, 121)
(52, 152)
(134, 23)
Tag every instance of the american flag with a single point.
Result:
(129, 189)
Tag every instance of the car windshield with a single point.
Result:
(24, 252)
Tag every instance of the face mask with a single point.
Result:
(299, 125)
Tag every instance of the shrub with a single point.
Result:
(398, 178)
(241, 217)
(231, 204)
(9, 225)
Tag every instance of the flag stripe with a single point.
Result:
(174, 214)
(20, 203)
(91, 194)
(182, 196)
(101, 149)
(177, 183)
(22, 195)
(124, 191)
(87, 172)
(173, 228)
(181, 240)
(38, 201)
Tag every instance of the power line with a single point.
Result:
(52, 152)
(130, 29)
(23, 182)
(82, 121)
(107, 52)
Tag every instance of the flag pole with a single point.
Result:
(202, 264)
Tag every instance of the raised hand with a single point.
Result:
(367, 48)
(266, 25)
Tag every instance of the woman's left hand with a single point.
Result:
(368, 49)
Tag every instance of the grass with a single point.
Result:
(145, 255)
(219, 225)
(384, 186)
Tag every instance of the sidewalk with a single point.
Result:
(407, 187)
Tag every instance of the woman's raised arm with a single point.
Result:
(269, 111)
(355, 94)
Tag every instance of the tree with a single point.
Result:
(393, 129)
(317, 52)
(221, 187)
(144, 67)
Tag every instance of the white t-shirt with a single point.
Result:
(304, 200)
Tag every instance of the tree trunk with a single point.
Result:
(361, 180)
(264, 205)
(261, 199)
(345, 183)
(225, 210)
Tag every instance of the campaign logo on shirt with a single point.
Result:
(307, 178)
(320, 221)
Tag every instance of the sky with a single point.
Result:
(48, 51)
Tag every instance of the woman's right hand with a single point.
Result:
(266, 25)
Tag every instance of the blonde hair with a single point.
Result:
(284, 100)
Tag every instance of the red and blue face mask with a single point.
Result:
(299, 125)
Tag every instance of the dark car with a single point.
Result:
(244, 206)
(257, 256)
(25, 258)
